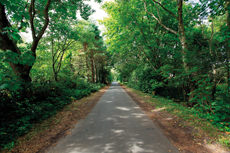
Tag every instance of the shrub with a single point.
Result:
(34, 102)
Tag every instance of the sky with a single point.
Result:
(99, 14)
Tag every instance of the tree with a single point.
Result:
(93, 48)
(36, 14)
(180, 32)
(61, 37)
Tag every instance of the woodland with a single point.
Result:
(66, 60)
(177, 49)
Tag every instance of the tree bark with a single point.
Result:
(228, 48)
(214, 84)
(96, 72)
(9, 44)
(182, 34)
(103, 74)
(92, 65)
(184, 46)
(86, 62)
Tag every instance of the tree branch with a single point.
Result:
(59, 64)
(158, 13)
(60, 51)
(69, 44)
(32, 15)
(46, 10)
(167, 28)
(166, 9)
(19, 28)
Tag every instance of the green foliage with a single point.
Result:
(21, 108)
(12, 33)
(149, 81)
(154, 56)
(25, 58)
(54, 54)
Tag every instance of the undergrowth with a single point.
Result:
(191, 115)
(21, 108)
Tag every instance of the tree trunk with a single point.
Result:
(96, 72)
(192, 84)
(99, 73)
(214, 82)
(228, 25)
(182, 34)
(102, 74)
(55, 77)
(87, 68)
(8, 44)
(23, 71)
(92, 66)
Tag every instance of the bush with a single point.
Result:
(149, 81)
(32, 103)
(216, 111)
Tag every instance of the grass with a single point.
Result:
(204, 126)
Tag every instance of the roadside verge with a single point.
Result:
(47, 133)
(183, 133)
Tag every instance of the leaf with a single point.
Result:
(4, 86)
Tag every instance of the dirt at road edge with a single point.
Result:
(51, 130)
(171, 126)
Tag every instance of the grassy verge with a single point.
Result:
(203, 127)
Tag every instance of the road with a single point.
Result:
(115, 125)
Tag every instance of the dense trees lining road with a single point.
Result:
(176, 49)
(172, 48)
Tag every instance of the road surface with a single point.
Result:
(115, 125)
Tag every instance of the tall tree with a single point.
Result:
(35, 15)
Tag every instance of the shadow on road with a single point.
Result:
(116, 124)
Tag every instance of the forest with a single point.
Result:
(177, 49)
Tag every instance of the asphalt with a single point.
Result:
(115, 125)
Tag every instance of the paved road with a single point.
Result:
(115, 125)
